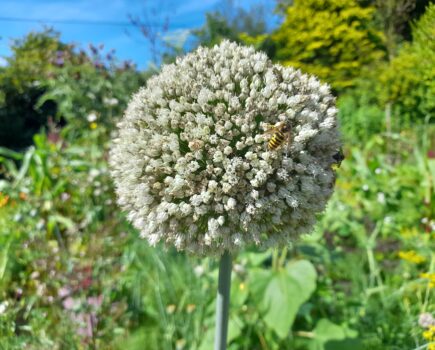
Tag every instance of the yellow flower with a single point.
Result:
(93, 126)
(344, 185)
(55, 170)
(431, 346)
(409, 232)
(4, 199)
(412, 256)
(190, 308)
(180, 344)
(429, 276)
(429, 334)
(170, 309)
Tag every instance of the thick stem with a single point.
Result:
(223, 302)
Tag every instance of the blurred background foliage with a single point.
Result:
(75, 275)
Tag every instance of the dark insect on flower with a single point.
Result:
(338, 158)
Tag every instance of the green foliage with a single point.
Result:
(359, 112)
(75, 275)
(32, 60)
(93, 87)
(68, 255)
(406, 85)
(332, 39)
(46, 80)
(22, 82)
(395, 18)
(285, 292)
(408, 82)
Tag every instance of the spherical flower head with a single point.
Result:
(191, 162)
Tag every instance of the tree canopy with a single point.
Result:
(332, 39)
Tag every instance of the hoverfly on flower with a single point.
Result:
(281, 134)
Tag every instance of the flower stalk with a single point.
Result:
(223, 302)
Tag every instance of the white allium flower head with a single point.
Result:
(191, 164)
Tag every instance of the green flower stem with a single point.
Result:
(223, 302)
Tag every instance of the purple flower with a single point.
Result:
(59, 61)
(93, 49)
(71, 303)
(96, 301)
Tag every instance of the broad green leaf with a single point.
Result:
(258, 279)
(207, 340)
(304, 274)
(235, 326)
(326, 330)
(239, 292)
(330, 336)
(286, 292)
(278, 303)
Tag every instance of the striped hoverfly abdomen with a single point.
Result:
(281, 135)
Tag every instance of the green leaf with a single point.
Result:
(278, 303)
(4, 258)
(330, 336)
(285, 293)
(239, 293)
(235, 326)
(304, 274)
(256, 259)
(59, 219)
(326, 330)
(207, 340)
(6, 152)
(258, 279)
(25, 166)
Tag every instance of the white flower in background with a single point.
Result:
(191, 164)
(92, 117)
(388, 220)
(110, 101)
(426, 320)
(199, 270)
(380, 197)
(3, 307)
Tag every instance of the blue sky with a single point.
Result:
(184, 15)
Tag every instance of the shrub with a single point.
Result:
(22, 82)
(408, 82)
(331, 39)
